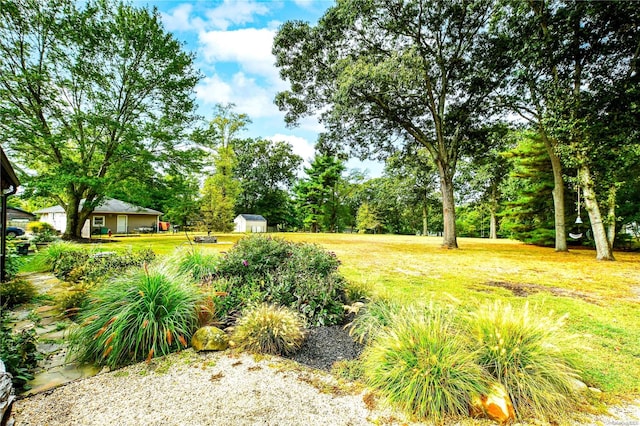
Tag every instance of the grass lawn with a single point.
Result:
(601, 298)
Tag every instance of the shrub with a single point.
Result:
(63, 256)
(16, 292)
(422, 364)
(526, 352)
(303, 277)
(43, 232)
(270, 329)
(13, 261)
(142, 314)
(18, 351)
(371, 319)
(74, 263)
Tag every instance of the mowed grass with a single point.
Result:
(601, 298)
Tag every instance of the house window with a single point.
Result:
(98, 221)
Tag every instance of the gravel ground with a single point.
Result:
(223, 388)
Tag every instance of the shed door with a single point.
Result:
(122, 224)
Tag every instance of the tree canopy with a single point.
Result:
(91, 96)
(384, 73)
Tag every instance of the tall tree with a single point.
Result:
(528, 207)
(90, 97)
(383, 72)
(318, 195)
(221, 190)
(219, 193)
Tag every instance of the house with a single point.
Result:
(113, 215)
(19, 217)
(8, 186)
(250, 223)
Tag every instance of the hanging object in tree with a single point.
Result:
(578, 231)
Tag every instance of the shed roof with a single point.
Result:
(108, 205)
(253, 217)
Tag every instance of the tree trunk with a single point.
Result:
(73, 229)
(611, 215)
(425, 218)
(558, 195)
(448, 209)
(493, 225)
(603, 247)
(493, 208)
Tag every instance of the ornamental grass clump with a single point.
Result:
(270, 329)
(371, 319)
(422, 364)
(527, 352)
(145, 313)
(194, 262)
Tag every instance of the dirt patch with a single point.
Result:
(524, 290)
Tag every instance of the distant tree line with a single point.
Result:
(492, 118)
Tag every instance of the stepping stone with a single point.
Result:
(46, 309)
(54, 335)
(59, 376)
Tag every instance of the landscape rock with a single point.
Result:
(496, 405)
(209, 339)
(7, 396)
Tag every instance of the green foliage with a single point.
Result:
(358, 291)
(13, 261)
(301, 276)
(16, 292)
(371, 319)
(318, 194)
(423, 365)
(43, 232)
(266, 170)
(142, 314)
(194, 262)
(351, 369)
(75, 263)
(527, 352)
(18, 352)
(528, 214)
(367, 219)
(73, 299)
(380, 71)
(221, 190)
(270, 329)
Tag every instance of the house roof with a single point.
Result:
(108, 205)
(16, 213)
(253, 217)
(8, 176)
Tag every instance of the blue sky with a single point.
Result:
(232, 41)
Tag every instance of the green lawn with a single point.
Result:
(601, 298)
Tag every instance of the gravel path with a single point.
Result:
(202, 389)
(223, 388)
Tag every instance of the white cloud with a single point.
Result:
(243, 91)
(213, 90)
(301, 146)
(249, 47)
(235, 12)
(180, 19)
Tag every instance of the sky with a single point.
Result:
(232, 42)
